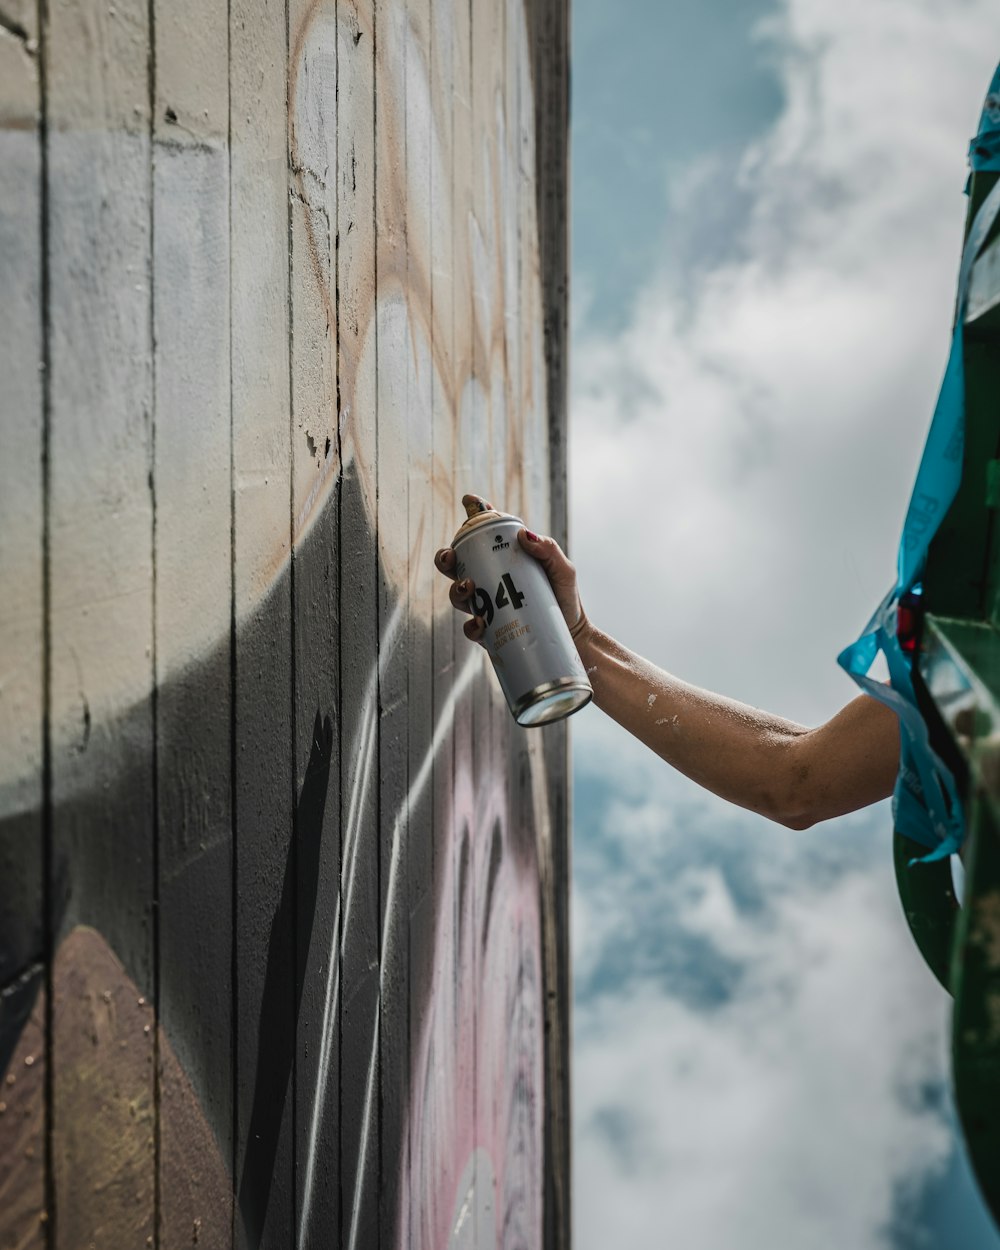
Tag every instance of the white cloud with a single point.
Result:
(742, 453)
(793, 1114)
(741, 458)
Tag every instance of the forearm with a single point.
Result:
(794, 775)
(762, 762)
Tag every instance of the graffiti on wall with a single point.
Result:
(271, 931)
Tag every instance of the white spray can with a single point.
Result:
(540, 672)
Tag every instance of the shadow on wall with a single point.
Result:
(276, 1046)
(464, 961)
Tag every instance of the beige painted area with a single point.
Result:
(430, 235)
(102, 1107)
(415, 334)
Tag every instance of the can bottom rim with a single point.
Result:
(551, 701)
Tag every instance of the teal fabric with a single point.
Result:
(925, 803)
(984, 150)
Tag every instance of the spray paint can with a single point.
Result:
(540, 672)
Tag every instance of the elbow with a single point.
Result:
(799, 802)
(797, 820)
(793, 811)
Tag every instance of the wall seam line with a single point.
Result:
(48, 822)
(478, 691)
(233, 852)
(154, 693)
(338, 933)
(293, 653)
(343, 778)
(377, 1038)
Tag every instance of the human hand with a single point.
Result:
(558, 569)
(460, 594)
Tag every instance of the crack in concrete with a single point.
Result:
(301, 170)
(175, 143)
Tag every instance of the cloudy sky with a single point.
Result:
(766, 229)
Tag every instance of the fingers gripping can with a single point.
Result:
(540, 672)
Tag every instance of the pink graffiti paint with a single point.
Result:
(476, 1095)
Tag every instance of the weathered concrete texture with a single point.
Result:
(22, 698)
(101, 1055)
(22, 1138)
(282, 901)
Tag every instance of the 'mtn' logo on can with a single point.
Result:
(499, 544)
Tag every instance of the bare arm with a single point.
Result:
(791, 774)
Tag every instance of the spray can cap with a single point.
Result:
(479, 512)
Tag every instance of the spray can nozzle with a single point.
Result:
(474, 504)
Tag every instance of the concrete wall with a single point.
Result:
(282, 887)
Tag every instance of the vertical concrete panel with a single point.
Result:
(481, 275)
(101, 629)
(445, 508)
(358, 35)
(520, 446)
(193, 557)
(497, 202)
(21, 523)
(394, 348)
(22, 691)
(499, 1030)
(445, 385)
(265, 851)
(422, 153)
(516, 1105)
(24, 1218)
(545, 126)
(460, 1016)
(510, 104)
(548, 54)
(100, 446)
(314, 161)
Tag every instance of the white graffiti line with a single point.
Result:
(443, 727)
(361, 776)
(359, 797)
